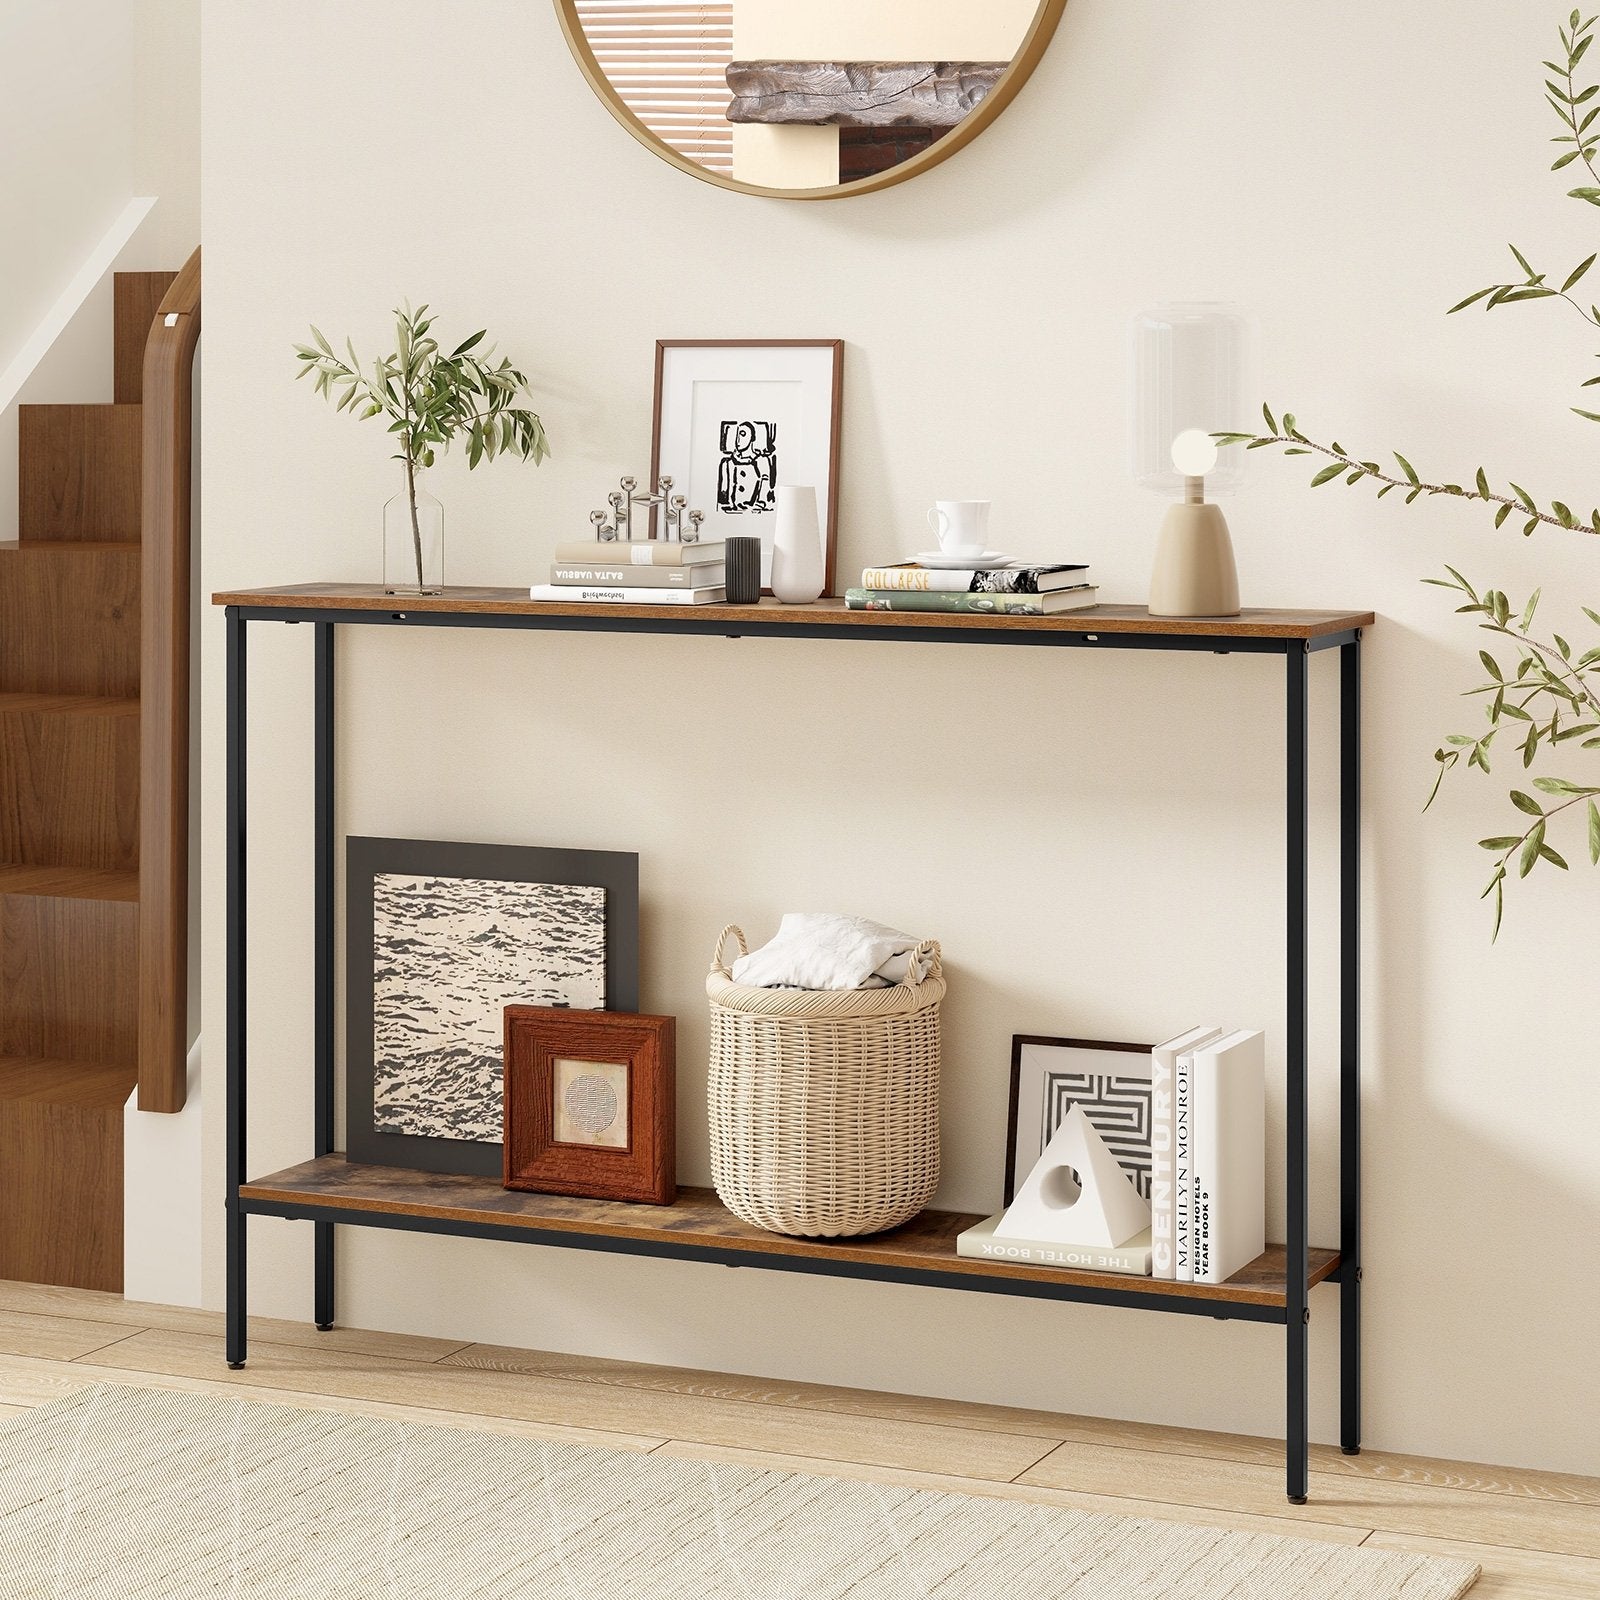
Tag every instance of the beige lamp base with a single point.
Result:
(1194, 574)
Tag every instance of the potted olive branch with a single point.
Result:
(431, 399)
(1548, 695)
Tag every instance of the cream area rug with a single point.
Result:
(140, 1495)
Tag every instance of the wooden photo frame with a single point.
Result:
(439, 938)
(591, 1104)
(1110, 1080)
(775, 404)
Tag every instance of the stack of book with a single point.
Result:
(652, 572)
(1018, 589)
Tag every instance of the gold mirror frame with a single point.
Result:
(1040, 32)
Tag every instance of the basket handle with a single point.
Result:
(930, 952)
(718, 964)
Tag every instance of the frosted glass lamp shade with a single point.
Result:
(1191, 372)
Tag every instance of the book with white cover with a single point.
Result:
(982, 1243)
(1183, 1167)
(1163, 1067)
(628, 596)
(639, 552)
(598, 576)
(1230, 1155)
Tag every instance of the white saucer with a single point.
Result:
(987, 562)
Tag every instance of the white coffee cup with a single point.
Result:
(962, 526)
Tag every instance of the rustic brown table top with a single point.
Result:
(1250, 624)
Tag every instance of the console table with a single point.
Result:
(328, 1190)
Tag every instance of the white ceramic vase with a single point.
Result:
(797, 575)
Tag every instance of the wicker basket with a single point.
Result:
(825, 1103)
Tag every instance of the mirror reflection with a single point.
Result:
(803, 94)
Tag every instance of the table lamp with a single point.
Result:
(1189, 364)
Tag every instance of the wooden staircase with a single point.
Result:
(69, 821)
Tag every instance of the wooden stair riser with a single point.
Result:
(62, 1167)
(68, 979)
(69, 618)
(69, 785)
(78, 471)
(135, 296)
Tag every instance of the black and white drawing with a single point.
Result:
(1117, 1105)
(747, 473)
(440, 938)
(449, 954)
(1110, 1081)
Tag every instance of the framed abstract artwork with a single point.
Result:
(1110, 1081)
(440, 939)
(591, 1104)
(734, 418)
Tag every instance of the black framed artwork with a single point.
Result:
(440, 938)
(1111, 1081)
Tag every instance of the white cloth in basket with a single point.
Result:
(824, 950)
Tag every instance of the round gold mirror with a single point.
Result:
(807, 99)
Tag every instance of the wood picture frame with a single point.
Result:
(822, 473)
(471, 1038)
(1127, 1123)
(591, 1104)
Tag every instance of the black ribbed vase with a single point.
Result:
(742, 559)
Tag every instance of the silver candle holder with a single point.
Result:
(679, 524)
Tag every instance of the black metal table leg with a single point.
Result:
(1350, 1048)
(322, 943)
(1297, 1259)
(235, 1043)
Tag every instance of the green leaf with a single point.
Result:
(1490, 665)
(1508, 841)
(1577, 272)
(1589, 193)
(1532, 848)
(1594, 834)
(1500, 515)
(1526, 803)
(1483, 483)
(1407, 468)
(1272, 421)
(1522, 260)
(1473, 299)
(1327, 474)
(1547, 854)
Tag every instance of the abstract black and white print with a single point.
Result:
(449, 954)
(747, 469)
(1119, 1107)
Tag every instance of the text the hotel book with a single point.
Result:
(630, 595)
(979, 1242)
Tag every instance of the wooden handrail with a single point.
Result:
(164, 695)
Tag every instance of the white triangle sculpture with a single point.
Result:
(1100, 1207)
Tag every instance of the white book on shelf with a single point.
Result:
(1163, 1174)
(1183, 1168)
(1229, 1155)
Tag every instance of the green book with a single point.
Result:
(1024, 605)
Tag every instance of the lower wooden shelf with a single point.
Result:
(700, 1227)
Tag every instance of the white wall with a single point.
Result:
(1130, 805)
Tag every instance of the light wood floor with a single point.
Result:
(1535, 1534)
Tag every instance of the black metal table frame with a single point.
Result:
(1295, 1314)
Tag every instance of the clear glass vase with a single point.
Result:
(413, 541)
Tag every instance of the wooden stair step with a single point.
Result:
(69, 616)
(61, 1170)
(69, 780)
(135, 296)
(78, 471)
(69, 973)
(69, 883)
